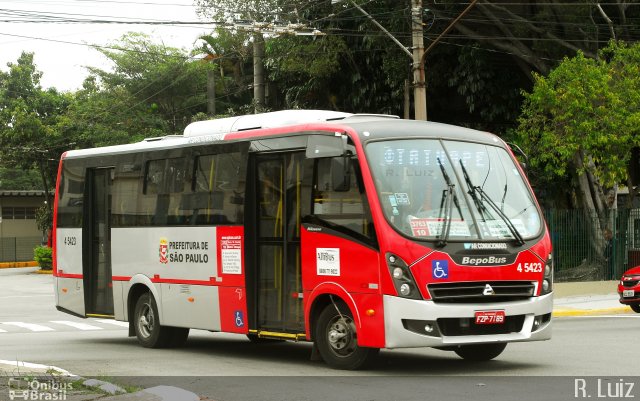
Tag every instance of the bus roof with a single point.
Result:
(368, 127)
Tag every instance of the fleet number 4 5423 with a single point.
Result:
(533, 267)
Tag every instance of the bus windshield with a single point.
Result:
(442, 190)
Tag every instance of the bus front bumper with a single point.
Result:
(420, 323)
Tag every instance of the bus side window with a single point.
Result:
(218, 191)
(124, 193)
(346, 207)
(165, 180)
(71, 195)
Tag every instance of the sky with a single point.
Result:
(60, 46)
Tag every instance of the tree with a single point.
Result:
(28, 118)
(18, 179)
(230, 53)
(582, 120)
(157, 79)
(512, 40)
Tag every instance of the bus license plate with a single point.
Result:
(628, 293)
(490, 317)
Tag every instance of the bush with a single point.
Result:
(42, 255)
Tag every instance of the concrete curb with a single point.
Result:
(14, 265)
(560, 312)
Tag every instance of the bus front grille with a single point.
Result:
(481, 291)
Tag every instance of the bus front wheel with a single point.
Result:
(147, 324)
(480, 352)
(337, 341)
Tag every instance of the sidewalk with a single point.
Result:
(28, 381)
(590, 298)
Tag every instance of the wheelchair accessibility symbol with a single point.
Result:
(239, 318)
(440, 269)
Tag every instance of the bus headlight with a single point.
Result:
(547, 280)
(402, 278)
(405, 289)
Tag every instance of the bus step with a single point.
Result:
(100, 316)
(278, 336)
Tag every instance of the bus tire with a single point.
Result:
(635, 307)
(337, 341)
(147, 326)
(480, 352)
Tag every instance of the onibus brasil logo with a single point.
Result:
(37, 389)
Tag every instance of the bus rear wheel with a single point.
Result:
(480, 352)
(147, 326)
(337, 341)
(635, 307)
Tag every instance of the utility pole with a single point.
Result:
(211, 93)
(419, 85)
(258, 72)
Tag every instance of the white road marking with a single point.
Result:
(2, 331)
(29, 326)
(114, 322)
(77, 325)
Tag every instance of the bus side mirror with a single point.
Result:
(320, 146)
(523, 165)
(341, 174)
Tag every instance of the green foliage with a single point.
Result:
(230, 55)
(28, 117)
(585, 107)
(19, 179)
(153, 87)
(303, 69)
(43, 255)
(44, 218)
(488, 85)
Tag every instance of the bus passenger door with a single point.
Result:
(282, 196)
(97, 234)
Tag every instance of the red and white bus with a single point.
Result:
(354, 232)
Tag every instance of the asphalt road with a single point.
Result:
(599, 350)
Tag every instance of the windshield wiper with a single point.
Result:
(448, 197)
(475, 190)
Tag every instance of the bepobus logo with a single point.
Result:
(487, 260)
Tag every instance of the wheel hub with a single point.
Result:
(146, 321)
(340, 335)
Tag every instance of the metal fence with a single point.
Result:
(14, 249)
(586, 249)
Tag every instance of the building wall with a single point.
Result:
(19, 233)
(18, 216)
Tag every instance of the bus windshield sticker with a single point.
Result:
(231, 254)
(499, 229)
(328, 261)
(402, 199)
(433, 227)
